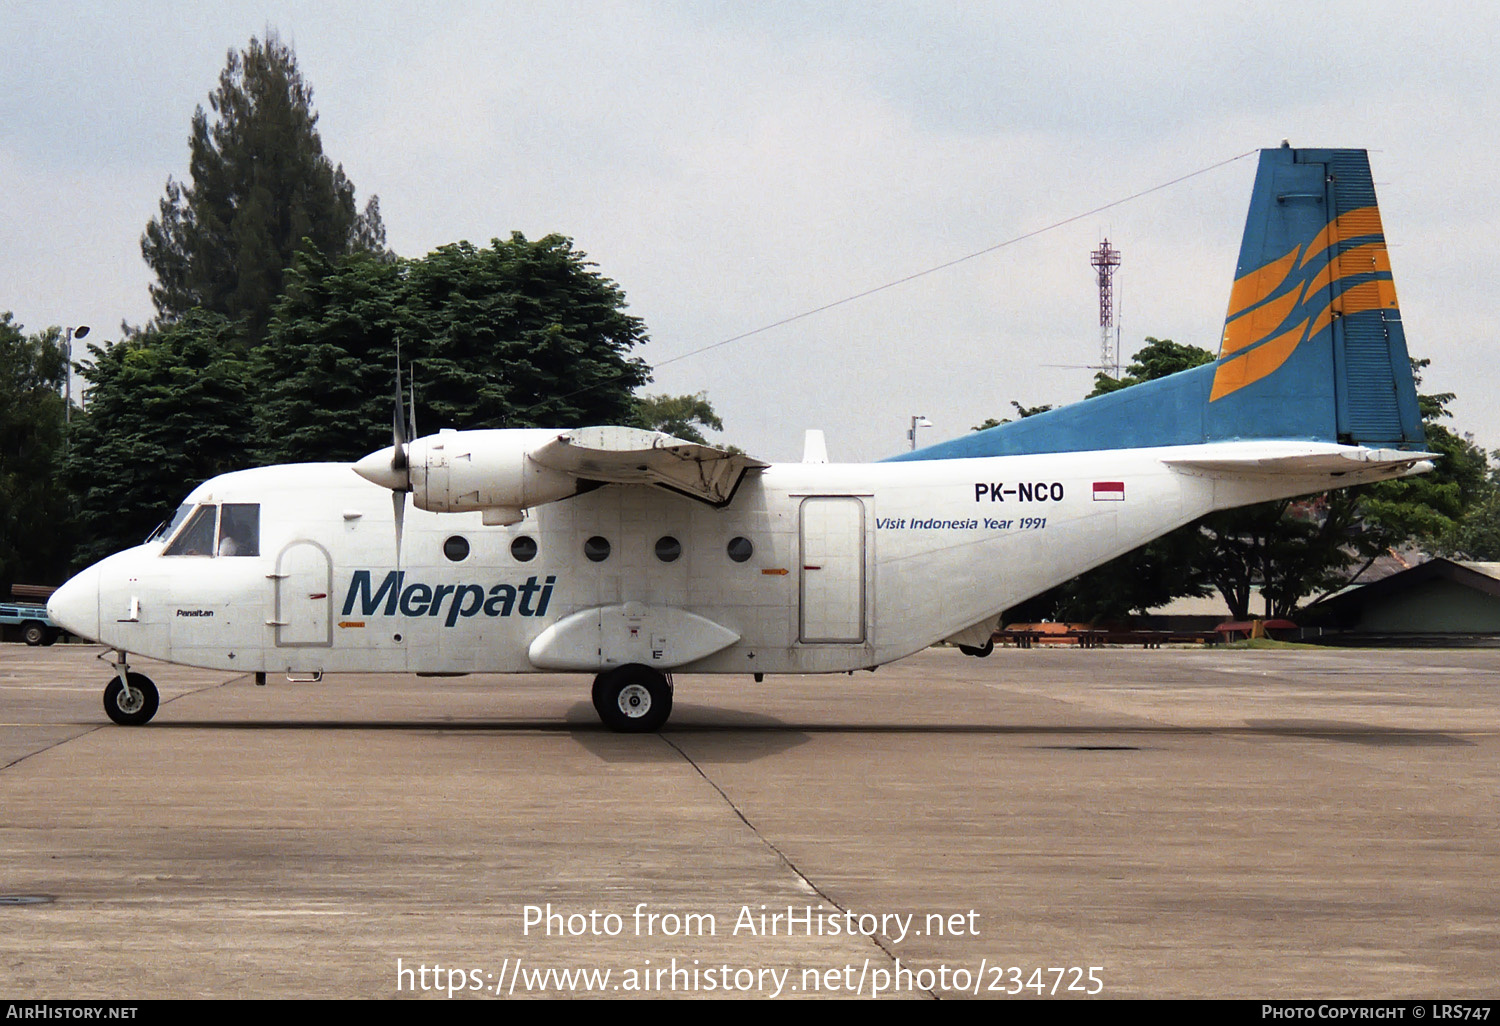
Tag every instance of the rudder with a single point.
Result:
(1313, 345)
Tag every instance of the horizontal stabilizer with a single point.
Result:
(1305, 460)
(624, 455)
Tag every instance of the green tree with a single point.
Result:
(33, 501)
(261, 189)
(167, 409)
(681, 416)
(1159, 357)
(1477, 534)
(1429, 507)
(1290, 548)
(332, 352)
(519, 334)
(1022, 412)
(523, 334)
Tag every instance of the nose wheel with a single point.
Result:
(134, 705)
(633, 699)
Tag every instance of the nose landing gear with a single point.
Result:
(130, 699)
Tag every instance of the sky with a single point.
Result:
(732, 166)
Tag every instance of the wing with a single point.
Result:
(503, 472)
(623, 455)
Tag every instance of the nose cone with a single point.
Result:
(75, 605)
(376, 468)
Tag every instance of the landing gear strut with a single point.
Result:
(130, 699)
(633, 699)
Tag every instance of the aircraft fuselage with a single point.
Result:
(811, 568)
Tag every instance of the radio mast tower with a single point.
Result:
(1105, 259)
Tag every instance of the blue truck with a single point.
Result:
(32, 620)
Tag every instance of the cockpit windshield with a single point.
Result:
(197, 537)
(204, 532)
(167, 528)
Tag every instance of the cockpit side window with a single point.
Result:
(239, 529)
(197, 536)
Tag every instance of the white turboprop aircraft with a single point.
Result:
(630, 554)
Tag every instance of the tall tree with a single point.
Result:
(168, 408)
(261, 189)
(521, 333)
(1477, 534)
(33, 501)
(1156, 359)
(681, 416)
(331, 349)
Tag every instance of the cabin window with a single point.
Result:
(740, 549)
(456, 548)
(239, 529)
(668, 549)
(597, 549)
(524, 549)
(197, 536)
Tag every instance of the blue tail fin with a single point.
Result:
(1312, 346)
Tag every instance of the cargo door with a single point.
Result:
(833, 571)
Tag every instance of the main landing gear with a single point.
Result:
(633, 699)
(130, 699)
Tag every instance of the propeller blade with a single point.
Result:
(398, 507)
(398, 427)
(412, 384)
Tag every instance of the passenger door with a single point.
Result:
(304, 603)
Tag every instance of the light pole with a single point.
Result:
(79, 332)
(917, 421)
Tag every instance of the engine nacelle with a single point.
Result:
(491, 471)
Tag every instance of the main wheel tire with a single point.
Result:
(135, 707)
(602, 684)
(33, 632)
(978, 651)
(633, 699)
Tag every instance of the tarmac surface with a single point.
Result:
(1176, 823)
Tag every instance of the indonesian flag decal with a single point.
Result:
(1109, 491)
